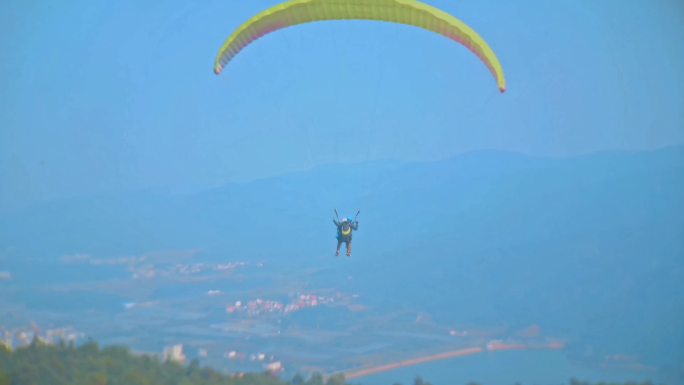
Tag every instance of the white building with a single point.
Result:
(274, 367)
(174, 353)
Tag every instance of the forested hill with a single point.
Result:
(88, 364)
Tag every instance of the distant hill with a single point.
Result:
(589, 247)
(439, 199)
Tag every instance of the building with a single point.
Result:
(174, 353)
(274, 367)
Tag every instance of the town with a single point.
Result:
(186, 269)
(23, 336)
(261, 306)
(176, 353)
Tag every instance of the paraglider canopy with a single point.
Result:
(410, 12)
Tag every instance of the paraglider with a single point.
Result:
(409, 12)
(345, 227)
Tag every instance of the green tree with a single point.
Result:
(297, 379)
(316, 379)
(337, 379)
(5, 378)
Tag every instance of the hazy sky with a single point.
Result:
(100, 96)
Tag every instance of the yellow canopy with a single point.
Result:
(410, 12)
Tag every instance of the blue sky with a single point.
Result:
(100, 96)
